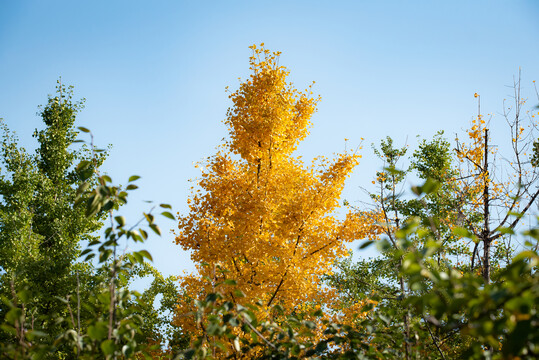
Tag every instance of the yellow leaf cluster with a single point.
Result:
(475, 150)
(261, 216)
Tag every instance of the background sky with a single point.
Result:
(154, 75)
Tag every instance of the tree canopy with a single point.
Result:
(456, 275)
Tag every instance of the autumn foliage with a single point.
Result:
(455, 278)
(261, 216)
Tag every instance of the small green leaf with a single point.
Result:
(156, 229)
(83, 129)
(166, 206)
(168, 215)
(84, 252)
(238, 293)
(120, 220)
(146, 254)
(506, 230)
(90, 256)
(103, 256)
(137, 258)
(83, 165)
(82, 188)
(460, 231)
(149, 217)
(108, 205)
(133, 178)
(366, 244)
(143, 233)
(428, 187)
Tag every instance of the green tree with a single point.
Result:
(41, 225)
(465, 219)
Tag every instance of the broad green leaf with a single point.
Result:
(108, 347)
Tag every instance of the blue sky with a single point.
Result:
(154, 76)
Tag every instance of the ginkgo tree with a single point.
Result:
(260, 217)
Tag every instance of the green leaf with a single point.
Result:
(133, 178)
(83, 165)
(98, 331)
(146, 254)
(238, 293)
(310, 325)
(463, 232)
(149, 217)
(85, 251)
(83, 129)
(108, 205)
(168, 215)
(24, 295)
(429, 186)
(383, 245)
(82, 188)
(120, 220)
(366, 244)
(156, 229)
(321, 347)
(128, 350)
(104, 255)
(137, 258)
(9, 329)
(143, 233)
(89, 257)
(131, 187)
(515, 214)
(33, 335)
(166, 206)
(108, 347)
(525, 255)
(506, 230)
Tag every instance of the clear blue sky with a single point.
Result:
(154, 74)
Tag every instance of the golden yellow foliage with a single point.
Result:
(261, 216)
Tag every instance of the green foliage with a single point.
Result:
(427, 237)
(41, 226)
(53, 305)
(158, 322)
